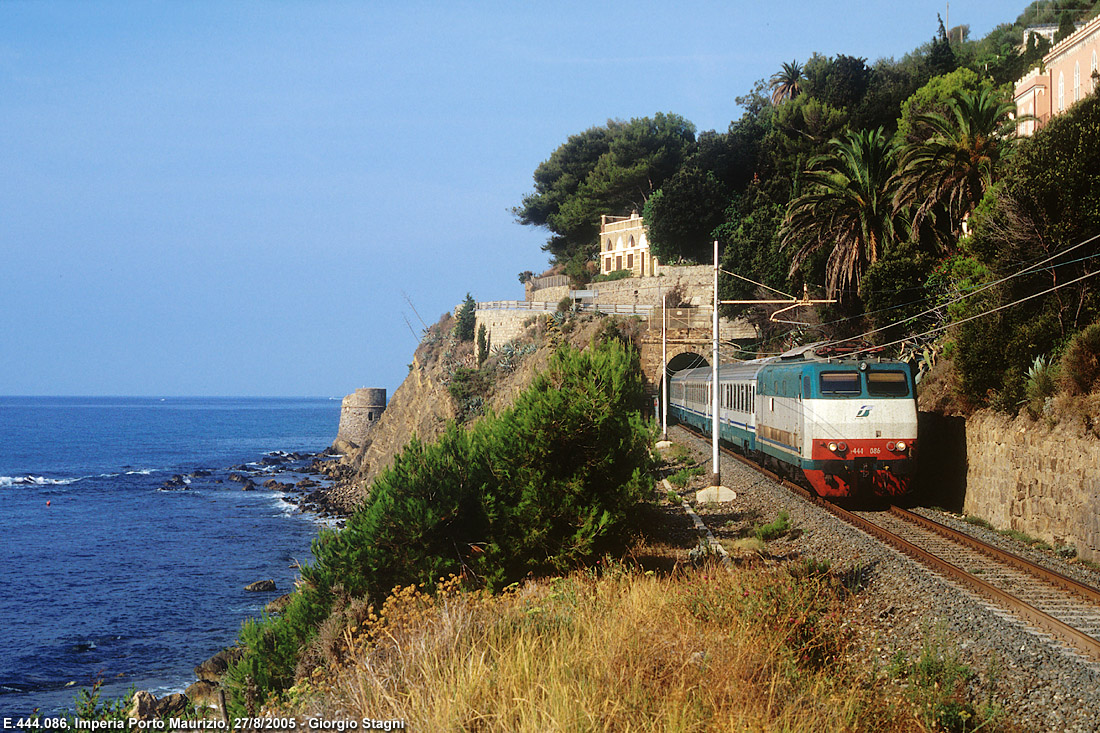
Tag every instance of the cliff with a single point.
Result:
(423, 405)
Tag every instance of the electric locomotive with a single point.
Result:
(848, 425)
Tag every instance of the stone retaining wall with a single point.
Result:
(1044, 483)
(503, 325)
(696, 280)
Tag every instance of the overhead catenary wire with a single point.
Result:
(946, 326)
(981, 289)
(1030, 269)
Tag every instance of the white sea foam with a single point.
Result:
(37, 481)
(31, 480)
(287, 508)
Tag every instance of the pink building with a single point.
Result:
(1065, 77)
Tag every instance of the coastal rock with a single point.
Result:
(279, 604)
(342, 447)
(203, 694)
(276, 485)
(171, 705)
(249, 485)
(199, 473)
(213, 669)
(144, 706)
(261, 586)
(176, 482)
(239, 478)
(306, 483)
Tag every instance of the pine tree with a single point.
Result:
(467, 319)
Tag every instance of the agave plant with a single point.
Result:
(1042, 384)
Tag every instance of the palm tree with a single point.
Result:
(849, 208)
(950, 172)
(787, 83)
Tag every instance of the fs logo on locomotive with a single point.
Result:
(864, 411)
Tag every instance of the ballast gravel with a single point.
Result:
(903, 607)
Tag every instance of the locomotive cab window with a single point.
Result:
(888, 384)
(840, 383)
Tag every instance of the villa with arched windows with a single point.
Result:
(1069, 73)
(623, 246)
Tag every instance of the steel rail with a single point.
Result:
(1039, 618)
(1051, 576)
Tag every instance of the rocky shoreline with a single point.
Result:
(320, 484)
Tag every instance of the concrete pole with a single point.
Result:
(716, 473)
(716, 492)
(664, 365)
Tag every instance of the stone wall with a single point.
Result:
(1042, 482)
(503, 325)
(697, 282)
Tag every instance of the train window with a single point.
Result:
(891, 384)
(840, 382)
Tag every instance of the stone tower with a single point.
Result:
(359, 412)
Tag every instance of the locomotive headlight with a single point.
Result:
(901, 446)
(891, 445)
(833, 447)
(842, 447)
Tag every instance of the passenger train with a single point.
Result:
(849, 425)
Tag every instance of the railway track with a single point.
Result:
(1057, 605)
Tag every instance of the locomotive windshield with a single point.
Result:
(888, 384)
(840, 383)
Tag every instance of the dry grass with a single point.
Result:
(620, 650)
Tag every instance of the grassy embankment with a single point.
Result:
(625, 649)
(650, 642)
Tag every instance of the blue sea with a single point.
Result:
(105, 573)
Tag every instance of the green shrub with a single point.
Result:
(681, 478)
(628, 330)
(469, 388)
(89, 705)
(937, 686)
(612, 276)
(548, 485)
(482, 344)
(772, 530)
(1081, 362)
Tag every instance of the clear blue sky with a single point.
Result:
(229, 198)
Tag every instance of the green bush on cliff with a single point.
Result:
(545, 486)
(1081, 362)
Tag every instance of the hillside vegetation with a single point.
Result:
(898, 188)
(546, 485)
